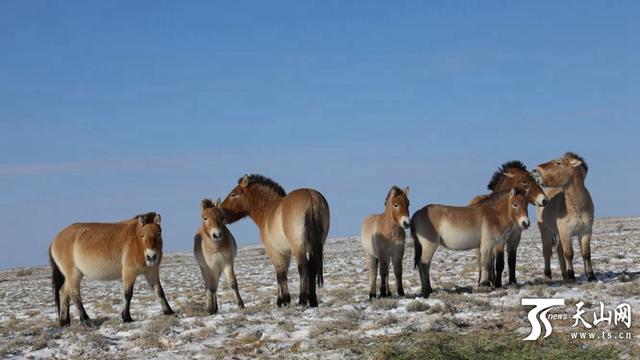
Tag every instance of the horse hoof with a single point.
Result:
(168, 312)
(279, 301)
(485, 284)
(241, 305)
(591, 277)
(401, 293)
(372, 296)
(570, 277)
(497, 285)
(313, 303)
(127, 319)
(65, 322)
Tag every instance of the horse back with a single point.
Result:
(96, 249)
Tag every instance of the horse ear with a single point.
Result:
(156, 219)
(508, 174)
(217, 203)
(142, 220)
(244, 182)
(575, 162)
(512, 192)
(406, 191)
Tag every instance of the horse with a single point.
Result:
(511, 174)
(296, 223)
(383, 238)
(569, 213)
(106, 251)
(466, 228)
(215, 249)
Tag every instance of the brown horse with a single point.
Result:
(383, 238)
(465, 228)
(510, 175)
(568, 214)
(296, 223)
(214, 249)
(106, 251)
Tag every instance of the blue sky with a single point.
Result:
(108, 109)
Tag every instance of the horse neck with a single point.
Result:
(500, 209)
(505, 183)
(386, 220)
(261, 201)
(575, 192)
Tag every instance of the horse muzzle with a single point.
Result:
(151, 258)
(537, 176)
(542, 200)
(524, 224)
(216, 235)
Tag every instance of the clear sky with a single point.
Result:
(112, 108)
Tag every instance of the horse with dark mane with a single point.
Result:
(290, 224)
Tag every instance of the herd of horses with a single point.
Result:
(297, 223)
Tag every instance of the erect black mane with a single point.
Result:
(499, 195)
(263, 180)
(497, 176)
(394, 190)
(584, 165)
(147, 216)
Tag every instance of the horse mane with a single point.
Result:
(497, 176)
(148, 217)
(499, 195)
(584, 165)
(207, 203)
(263, 180)
(394, 190)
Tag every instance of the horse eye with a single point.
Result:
(233, 194)
(142, 235)
(515, 205)
(205, 219)
(395, 205)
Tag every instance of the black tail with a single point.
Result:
(416, 246)
(57, 280)
(315, 235)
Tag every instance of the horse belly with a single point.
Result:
(96, 268)
(459, 238)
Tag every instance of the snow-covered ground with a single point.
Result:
(346, 324)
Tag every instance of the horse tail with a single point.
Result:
(314, 232)
(57, 280)
(416, 245)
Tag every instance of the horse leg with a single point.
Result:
(567, 249)
(499, 267)
(547, 247)
(373, 275)
(384, 276)
(128, 280)
(303, 271)
(231, 280)
(212, 291)
(585, 249)
(74, 282)
(153, 279)
(65, 302)
(428, 248)
(479, 264)
(281, 263)
(560, 253)
(486, 259)
(512, 251)
(397, 271)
